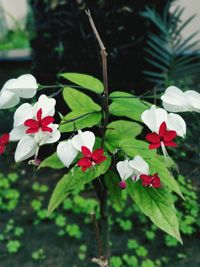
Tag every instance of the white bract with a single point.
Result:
(175, 100)
(132, 168)
(68, 150)
(24, 86)
(29, 143)
(154, 117)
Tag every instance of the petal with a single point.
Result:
(86, 152)
(169, 136)
(24, 86)
(47, 120)
(174, 100)
(154, 117)
(4, 139)
(23, 113)
(171, 144)
(18, 133)
(47, 105)
(86, 139)
(54, 136)
(85, 162)
(194, 99)
(31, 123)
(2, 149)
(176, 123)
(163, 128)
(100, 160)
(153, 138)
(8, 100)
(139, 165)
(146, 179)
(124, 169)
(66, 152)
(154, 146)
(26, 148)
(39, 115)
(97, 154)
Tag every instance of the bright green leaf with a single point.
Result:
(84, 119)
(75, 180)
(158, 205)
(85, 81)
(79, 101)
(121, 130)
(126, 105)
(53, 162)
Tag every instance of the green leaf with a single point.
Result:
(120, 130)
(75, 180)
(156, 163)
(112, 182)
(85, 81)
(79, 101)
(158, 205)
(126, 105)
(53, 162)
(84, 119)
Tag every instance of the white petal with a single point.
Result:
(17, 133)
(139, 166)
(176, 122)
(124, 169)
(154, 117)
(26, 148)
(23, 113)
(24, 86)
(47, 105)
(55, 135)
(174, 100)
(194, 99)
(86, 139)
(66, 152)
(8, 99)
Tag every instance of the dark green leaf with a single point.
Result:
(52, 162)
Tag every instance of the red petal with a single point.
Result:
(163, 128)
(97, 154)
(47, 129)
(32, 130)
(153, 138)
(86, 152)
(85, 162)
(47, 120)
(156, 182)
(153, 146)
(169, 136)
(100, 160)
(146, 179)
(39, 114)
(172, 144)
(4, 139)
(2, 149)
(31, 123)
(84, 168)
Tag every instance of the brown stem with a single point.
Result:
(100, 185)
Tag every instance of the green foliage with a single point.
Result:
(127, 105)
(167, 51)
(13, 246)
(52, 162)
(73, 230)
(85, 112)
(85, 81)
(14, 40)
(38, 255)
(158, 206)
(75, 180)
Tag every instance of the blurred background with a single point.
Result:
(151, 45)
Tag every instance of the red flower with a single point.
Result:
(4, 139)
(151, 180)
(91, 158)
(36, 125)
(166, 137)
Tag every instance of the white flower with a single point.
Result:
(174, 100)
(68, 150)
(24, 86)
(154, 117)
(34, 127)
(132, 168)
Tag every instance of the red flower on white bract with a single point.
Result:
(4, 140)
(36, 125)
(151, 180)
(91, 158)
(163, 137)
